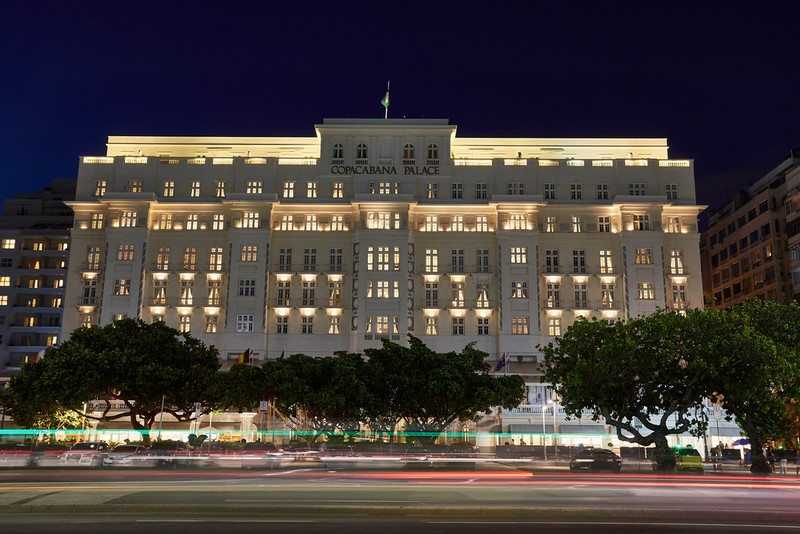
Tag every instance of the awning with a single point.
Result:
(530, 429)
(183, 426)
(729, 431)
(587, 430)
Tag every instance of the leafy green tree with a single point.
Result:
(131, 362)
(325, 394)
(641, 377)
(432, 390)
(756, 361)
(241, 388)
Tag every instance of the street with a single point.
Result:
(314, 498)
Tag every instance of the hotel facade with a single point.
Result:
(377, 229)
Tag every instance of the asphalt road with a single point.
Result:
(489, 498)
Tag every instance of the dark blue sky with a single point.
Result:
(718, 78)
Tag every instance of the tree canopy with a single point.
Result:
(131, 362)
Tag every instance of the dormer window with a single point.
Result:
(408, 152)
(361, 151)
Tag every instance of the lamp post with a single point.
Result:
(544, 431)
(161, 417)
(555, 439)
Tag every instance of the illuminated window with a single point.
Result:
(519, 326)
(674, 225)
(554, 326)
(249, 253)
(288, 189)
(482, 223)
(645, 291)
(457, 223)
(519, 254)
(194, 191)
(553, 295)
(254, 187)
(169, 189)
(333, 324)
(431, 223)
(432, 326)
(5, 281)
(335, 293)
(431, 260)
(187, 297)
(287, 223)
(432, 190)
(218, 222)
(337, 223)
(644, 256)
(676, 264)
(211, 324)
(519, 289)
(607, 296)
(311, 190)
(100, 188)
(219, 189)
(93, 257)
(96, 222)
(517, 221)
(213, 297)
(482, 291)
(86, 319)
(606, 266)
(134, 186)
(122, 286)
(679, 296)
(577, 224)
(162, 259)
(215, 259)
(165, 221)
(250, 219)
(185, 324)
(244, 323)
(338, 190)
(191, 221)
(189, 258)
(550, 224)
(125, 252)
(311, 223)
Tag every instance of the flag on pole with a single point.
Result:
(501, 363)
(244, 357)
(385, 102)
(38, 356)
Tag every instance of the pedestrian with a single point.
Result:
(784, 463)
(771, 459)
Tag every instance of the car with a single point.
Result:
(168, 453)
(85, 453)
(688, 459)
(126, 455)
(47, 454)
(592, 459)
(462, 449)
(260, 454)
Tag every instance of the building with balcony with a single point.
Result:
(34, 252)
(377, 229)
(746, 251)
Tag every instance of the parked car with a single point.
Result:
(126, 455)
(15, 455)
(596, 460)
(260, 454)
(85, 453)
(688, 459)
(47, 455)
(168, 453)
(463, 449)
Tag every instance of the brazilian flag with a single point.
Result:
(385, 100)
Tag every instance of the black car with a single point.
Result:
(596, 460)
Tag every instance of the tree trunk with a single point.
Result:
(665, 458)
(759, 464)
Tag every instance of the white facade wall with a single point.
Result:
(494, 211)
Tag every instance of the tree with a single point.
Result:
(642, 376)
(241, 388)
(756, 362)
(325, 394)
(432, 390)
(139, 365)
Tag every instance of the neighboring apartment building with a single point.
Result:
(378, 229)
(745, 249)
(792, 210)
(34, 251)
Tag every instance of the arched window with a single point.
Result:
(361, 151)
(433, 152)
(338, 151)
(408, 151)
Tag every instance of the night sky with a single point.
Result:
(719, 79)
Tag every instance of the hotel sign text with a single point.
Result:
(383, 169)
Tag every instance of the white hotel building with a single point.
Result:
(380, 228)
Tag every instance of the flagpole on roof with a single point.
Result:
(385, 102)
